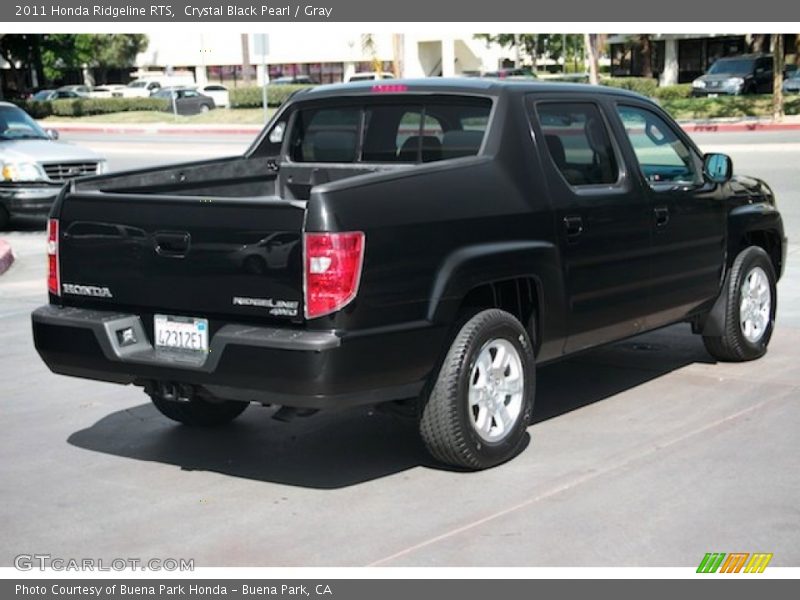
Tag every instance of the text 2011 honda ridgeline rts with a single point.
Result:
(429, 240)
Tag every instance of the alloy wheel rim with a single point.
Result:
(755, 305)
(496, 390)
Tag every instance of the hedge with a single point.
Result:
(642, 85)
(673, 92)
(91, 106)
(251, 97)
(727, 106)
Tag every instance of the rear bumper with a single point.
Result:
(29, 199)
(301, 368)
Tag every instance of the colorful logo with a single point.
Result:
(736, 562)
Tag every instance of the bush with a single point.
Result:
(641, 85)
(79, 107)
(727, 106)
(101, 106)
(38, 110)
(673, 92)
(250, 97)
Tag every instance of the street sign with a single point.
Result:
(261, 46)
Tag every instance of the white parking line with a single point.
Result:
(593, 474)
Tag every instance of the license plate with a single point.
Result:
(181, 334)
(713, 95)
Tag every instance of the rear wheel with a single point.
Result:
(204, 108)
(750, 310)
(481, 403)
(197, 411)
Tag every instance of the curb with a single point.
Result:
(726, 127)
(722, 126)
(154, 129)
(6, 256)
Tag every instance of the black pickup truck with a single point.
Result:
(420, 243)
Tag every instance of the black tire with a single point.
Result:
(446, 419)
(5, 218)
(199, 412)
(733, 345)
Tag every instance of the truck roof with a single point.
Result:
(458, 85)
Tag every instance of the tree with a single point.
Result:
(777, 71)
(646, 52)
(17, 51)
(533, 45)
(102, 51)
(48, 58)
(590, 42)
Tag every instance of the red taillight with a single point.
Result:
(53, 273)
(332, 270)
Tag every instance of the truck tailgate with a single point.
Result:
(184, 255)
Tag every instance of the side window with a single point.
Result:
(578, 142)
(662, 156)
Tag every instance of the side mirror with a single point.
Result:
(51, 133)
(717, 168)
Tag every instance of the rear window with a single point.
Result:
(402, 131)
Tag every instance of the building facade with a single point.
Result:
(235, 59)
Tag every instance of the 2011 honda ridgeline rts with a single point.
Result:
(429, 240)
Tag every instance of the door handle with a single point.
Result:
(573, 226)
(662, 215)
(172, 244)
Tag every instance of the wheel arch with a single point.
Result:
(523, 278)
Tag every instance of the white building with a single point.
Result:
(224, 57)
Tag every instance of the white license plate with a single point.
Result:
(185, 334)
(713, 95)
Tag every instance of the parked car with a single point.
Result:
(511, 73)
(735, 75)
(791, 84)
(35, 166)
(141, 88)
(455, 235)
(293, 80)
(219, 93)
(186, 101)
(82, 90)
(109, 90)
(370, 76)
(47, 95)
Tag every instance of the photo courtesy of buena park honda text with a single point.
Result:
(353, 299)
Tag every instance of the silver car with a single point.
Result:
(791, 84)
(34, 166)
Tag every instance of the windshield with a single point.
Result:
(793, 74)
(731, 67)
(42, 95)
(16, 124)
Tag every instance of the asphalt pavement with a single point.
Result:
(643, 453)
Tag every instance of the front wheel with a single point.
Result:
(481, 403)
(750, 309)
